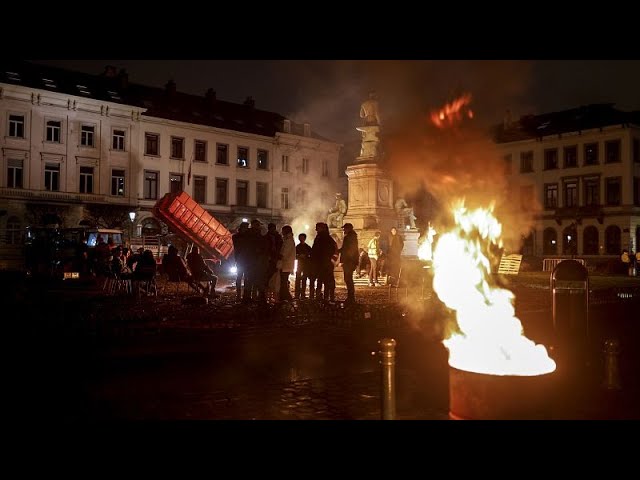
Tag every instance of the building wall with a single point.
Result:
(626, 215)
(40, 106)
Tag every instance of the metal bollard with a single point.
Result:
(387, 361)
(611, 370)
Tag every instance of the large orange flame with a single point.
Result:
(453, 112)
(491, 339)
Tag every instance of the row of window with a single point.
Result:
(591, 193)
(152, 145)
(612, 154)
(569, 244)
(221, 195)
(150, 187)
(53, 133)
(52, 178)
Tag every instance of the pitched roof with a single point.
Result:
(113, 86)
(573, 120)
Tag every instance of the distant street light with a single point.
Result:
(132, 216)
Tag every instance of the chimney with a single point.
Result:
(307, 129)
(286, 127)
(170, 87)
(124, 78)
(210, 96)
(110, 71)
(250, 102)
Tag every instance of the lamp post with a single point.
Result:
(132, 216)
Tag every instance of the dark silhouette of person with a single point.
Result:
(201, 271)
(349, 258)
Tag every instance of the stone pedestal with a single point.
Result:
(370, 201)
(410, 242)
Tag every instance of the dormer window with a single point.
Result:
(14, 76)
(49, 83)
(83, 90)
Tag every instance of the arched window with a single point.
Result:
(570, 240)
(84, 223)
(612, 240)
(150, 226)
(590, 241)
(528, 244)
(14, 233)
(550, 241)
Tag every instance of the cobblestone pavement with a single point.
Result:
(105, 358)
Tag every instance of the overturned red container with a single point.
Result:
(479, 396)
(188, 219)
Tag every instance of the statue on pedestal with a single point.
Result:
(370, 113)
(406, 212)
(337, 212)
(369, 110)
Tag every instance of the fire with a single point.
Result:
(452, 112)
(425, 250)
(491, 339)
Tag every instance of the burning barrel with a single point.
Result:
(480, 396)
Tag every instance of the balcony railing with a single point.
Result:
(70, 197)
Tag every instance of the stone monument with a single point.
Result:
(371, 201)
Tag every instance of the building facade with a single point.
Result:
(81, 149)
(579, 172)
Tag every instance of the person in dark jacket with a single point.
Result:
(201, 271)
(322, 254)
(349, 259)
(303, 255)
(393, 258)
(242, 254)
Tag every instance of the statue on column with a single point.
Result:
(370, 114)
(369, 110)
(406, 212)
(337, 212)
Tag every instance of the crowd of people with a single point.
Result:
(266, 260)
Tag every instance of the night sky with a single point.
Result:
(328, 93)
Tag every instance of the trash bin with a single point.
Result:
(570, 310)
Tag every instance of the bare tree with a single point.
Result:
(107, 216)
(40, 213)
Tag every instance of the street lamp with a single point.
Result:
(132, 216)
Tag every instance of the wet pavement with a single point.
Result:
(99, 358)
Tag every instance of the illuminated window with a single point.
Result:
(243, 157)
(117, 183)
(176, 182)
(263, 160)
